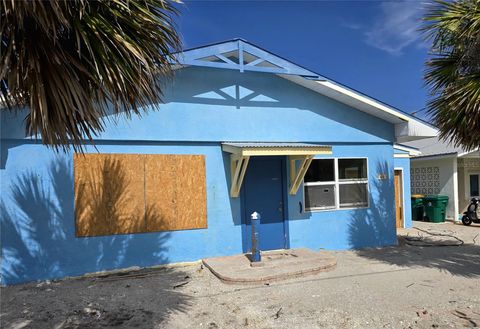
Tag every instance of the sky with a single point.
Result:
(371, 46)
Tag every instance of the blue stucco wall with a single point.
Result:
(354, 228)
(202, 110)
(223, 105)
(404, 163)
(38, 225)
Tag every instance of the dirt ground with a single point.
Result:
(398, 287)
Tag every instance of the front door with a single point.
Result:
(263, 193)
(398, 198)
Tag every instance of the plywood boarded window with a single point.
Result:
(133, 193)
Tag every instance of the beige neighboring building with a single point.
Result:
(444, 169)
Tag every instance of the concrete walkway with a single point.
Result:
(275, 265)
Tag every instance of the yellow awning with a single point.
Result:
(300, 156)
(265, 149)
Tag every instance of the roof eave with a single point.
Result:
(436, 156)
(412, 151)
(469, 153)
(407, 128)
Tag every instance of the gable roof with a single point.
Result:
(434, 147)
(241, 55)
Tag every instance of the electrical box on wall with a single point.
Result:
(382, 176)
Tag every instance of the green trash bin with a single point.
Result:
(417, 206)
(435, 207)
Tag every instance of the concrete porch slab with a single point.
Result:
(276, 265)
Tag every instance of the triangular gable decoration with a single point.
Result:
(243, 56)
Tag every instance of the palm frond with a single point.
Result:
(453, 71)
(74, 62)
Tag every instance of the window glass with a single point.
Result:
(320, 170)
(352, 169)
(325, 176)
(353, 195)
(474, 185)
(320, 196)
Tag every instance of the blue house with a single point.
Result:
(240, 130)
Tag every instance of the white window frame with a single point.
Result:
(473, 173)
(337, 184)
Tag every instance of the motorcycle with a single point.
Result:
(472, 214)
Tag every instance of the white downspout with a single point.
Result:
(455, 189)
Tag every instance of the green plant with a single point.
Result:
(74, 62)
(453, 71)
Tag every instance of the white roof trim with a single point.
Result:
(468, 153)
(406, 127)
(434, 156)
(344, 91)
(240, 55)
(447, 155)
(411, 150)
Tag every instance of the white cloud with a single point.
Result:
(397, 27)
(350, 25)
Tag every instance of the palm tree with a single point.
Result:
(73, 62)
(453, 71)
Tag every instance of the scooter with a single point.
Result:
(472, 214)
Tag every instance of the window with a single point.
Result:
(353, 182)
(321, 170)
(474, 185)
(336, 184)
(349, 169)
(353, 195)
(136, 193)
(320, 185)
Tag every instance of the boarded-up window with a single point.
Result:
(175, 192)
(133, 193)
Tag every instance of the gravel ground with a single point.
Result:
(399, 287)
